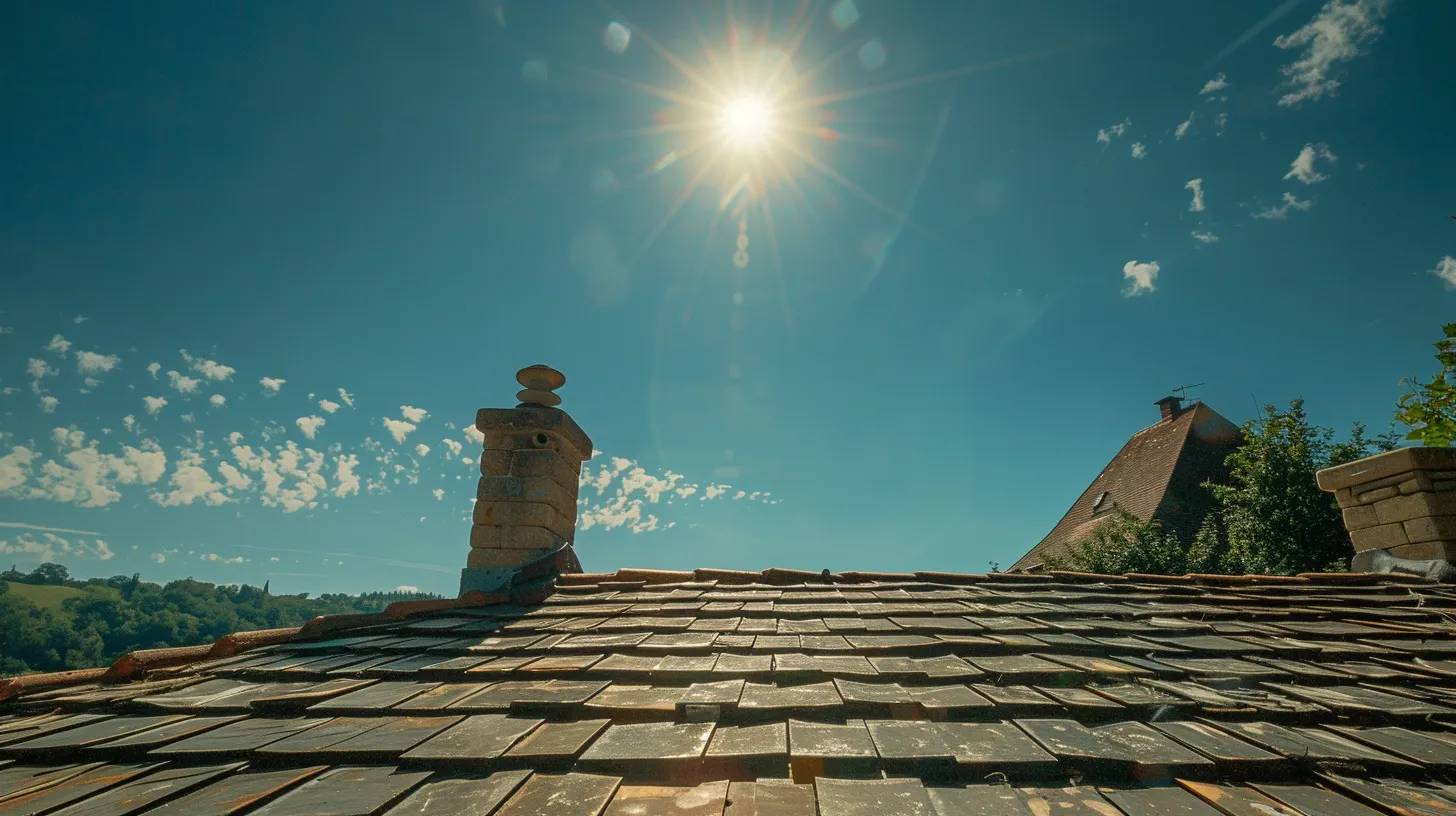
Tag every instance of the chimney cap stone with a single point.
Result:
(539, 381)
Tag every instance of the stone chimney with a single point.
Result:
(1400, 510)
(525, 506)
(1171, 407)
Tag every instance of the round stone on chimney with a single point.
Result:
(539, 381)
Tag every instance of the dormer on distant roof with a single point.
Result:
(530, 468)
(1159, 474)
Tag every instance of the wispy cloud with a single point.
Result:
(1106, 135)
(309, 425)
(1196, 185)
(58, 346)
(1138, 150)
(183, 384)
(1446, 271)
(1268, 20)
(1182, 129)
(1281, 212)
(1204, 237)
(90, 362)
(210, 369)
(1302, 168)
(1141, 278)
(51, 547)
(398, 429)
(1220, 122)
(1214, 85)
(20, 525)
(271, 385)
(154, 405)
(1340, 32)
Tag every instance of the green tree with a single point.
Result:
(1276, 519)
(1430, 409)
(1124, 543)
(49, 574)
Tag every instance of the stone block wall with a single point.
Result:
(1410, 514)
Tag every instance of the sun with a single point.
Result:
(746, 121)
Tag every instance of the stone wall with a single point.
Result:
(1400, 502)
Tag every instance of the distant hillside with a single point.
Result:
(45, 597)
(50, 621)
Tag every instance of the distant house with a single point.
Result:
(1158, 474)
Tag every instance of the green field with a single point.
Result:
(46, 597)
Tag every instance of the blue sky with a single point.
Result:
(982, 239)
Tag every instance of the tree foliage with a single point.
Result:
(115, 615)
(1430, 409)
(1270, 517)
(1125, 543)
(1276, 518)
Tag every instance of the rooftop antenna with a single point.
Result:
(1182, 392)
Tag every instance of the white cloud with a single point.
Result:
(182, 383)
(422, 450)
(235, 479)
(438, 493)
(413, 414)
(214, 557)
(1446, 271)
(1302, 168)
(7, 329)
(211, 369)
(1182, 129)
(1338, 33)
(159, 558)
(309, 425)
(345, 480)
(328, 406)
(90, 362)
(129, 421)
(1141, 277)
(53, 548)
(1138, 150)
(153, 368)
(217, 400)
(191, 482)
(1204, 237)
(474, 434)
(1196, 185)
(1215, 85)
(154, 404)
(271, 384)
(406, 588)
(79, 319)
(92, 382)
(37, 369)
(399, 429)
(1105, 137)
(452, 447)
(15, 469)
(234, 438)
(1221, 122)
(58, 346)
(347, 398)
(1281, 212)
(84, 475)
(48, 404)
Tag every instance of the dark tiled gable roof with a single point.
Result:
(1159, 473)
(782, 692)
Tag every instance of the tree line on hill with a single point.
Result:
(107, 617)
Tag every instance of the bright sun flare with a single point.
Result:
(747, 120)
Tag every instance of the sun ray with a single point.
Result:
(676, 205)
(796, 40)
(925, 79)
(654, 168)
(665, 94)
(672, 59)
(778, 263)
(647, 130)
(808, 73)
(837, 177)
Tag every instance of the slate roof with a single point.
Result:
(1158, 474)
(781, 692)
